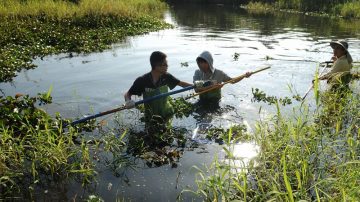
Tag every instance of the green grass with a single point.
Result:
(344, 8)
(350, 10)
(34, 147)
(65, 9)
(308, 155)
(259, 7)
(36, 151)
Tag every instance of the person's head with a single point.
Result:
(339, 48)
(158, 62)
(205, 62)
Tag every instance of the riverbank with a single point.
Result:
(348, 10)
(341, 8)
(32, 29)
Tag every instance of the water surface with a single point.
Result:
(292, 44)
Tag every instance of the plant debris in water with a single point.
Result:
(261, 96)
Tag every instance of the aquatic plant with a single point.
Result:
(35, 148)
(261, 96)
(31, 29)
(309, 155)
(184, 64)
(236, 56)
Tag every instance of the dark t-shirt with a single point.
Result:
(145, 81)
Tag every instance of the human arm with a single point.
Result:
(184, 84)
(237, 79)
(205, 85)
(136, 89)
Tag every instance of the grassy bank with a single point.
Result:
(31, 29)
(344, 8)
(311, 155)
(35, 149)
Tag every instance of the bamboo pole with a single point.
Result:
(230, 81)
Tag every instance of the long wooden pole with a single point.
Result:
(230, 81)
(136, 103)
(312, 85)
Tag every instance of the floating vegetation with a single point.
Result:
(268, 58)
(261, 96)
(184, 64)
(41, 30)
(236, 56)
(182, 108)
(219, 135)
(158, 148)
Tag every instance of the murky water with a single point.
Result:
(292, 44)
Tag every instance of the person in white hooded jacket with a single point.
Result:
(207, 77)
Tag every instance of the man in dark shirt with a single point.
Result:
(157, 81)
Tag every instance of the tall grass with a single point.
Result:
(65, 9)
(306, 5)
(350, 10)
(311, 155)
(34, 148)
(345, 8)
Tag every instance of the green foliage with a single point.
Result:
(220, 135)
(346, 8)
(182, 108)
(350, 9)
(261, 96)
(35, 148)
(311, 155)
(184, 64)
(28, 33)
(236, 56)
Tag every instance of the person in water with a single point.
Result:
(207, 77)
(339, 76)
(155, 82)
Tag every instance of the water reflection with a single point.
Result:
(219, 18)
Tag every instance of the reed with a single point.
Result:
(308, 155)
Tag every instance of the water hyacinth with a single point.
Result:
(32, 29)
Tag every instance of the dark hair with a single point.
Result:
(157, 58)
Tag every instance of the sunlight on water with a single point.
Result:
(243, 153)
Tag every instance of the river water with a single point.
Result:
(292, 44)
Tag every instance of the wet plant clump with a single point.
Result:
(182, 108)
(35, 148)
(236, 56)
(220, 135)
(260, 96)
(159, 148)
